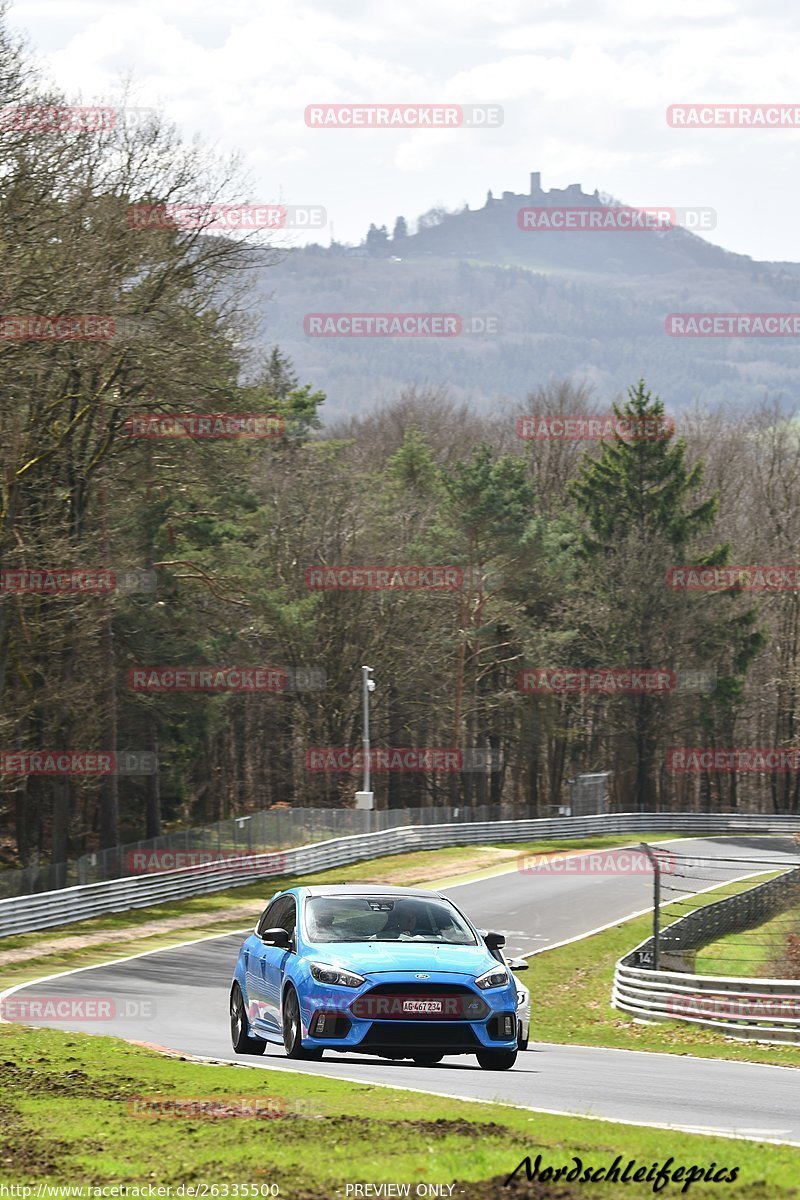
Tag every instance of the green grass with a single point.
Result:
(571, 993)
(758, 952)
(209, 912)
(67, 1112)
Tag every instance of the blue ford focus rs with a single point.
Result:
(397, 972)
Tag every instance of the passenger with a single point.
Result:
(321, 927)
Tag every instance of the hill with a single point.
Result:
(586, 305)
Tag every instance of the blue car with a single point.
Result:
(396, 972)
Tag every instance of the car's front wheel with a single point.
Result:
(496, 1060)
(292, 1033)
(522, 1042)
(242, 1042)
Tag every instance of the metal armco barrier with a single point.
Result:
(762, 1010)
(251, 833)
(23, 914)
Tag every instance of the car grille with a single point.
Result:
(387, 1001)
(390, 1035)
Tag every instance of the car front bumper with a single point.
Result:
(496, 1029)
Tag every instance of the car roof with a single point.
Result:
(359, 889)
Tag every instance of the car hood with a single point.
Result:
(369, 958)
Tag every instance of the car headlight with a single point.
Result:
(494, 977)
(520, 999)
(335, 975)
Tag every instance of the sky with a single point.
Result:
(583, 87)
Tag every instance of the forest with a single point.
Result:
(222, 648)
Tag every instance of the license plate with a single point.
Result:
(422, 1006)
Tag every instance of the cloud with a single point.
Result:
(584, 87)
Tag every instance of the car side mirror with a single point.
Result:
(518, 964)
(276, 937)
(495, 941)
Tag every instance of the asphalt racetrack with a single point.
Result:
(178, 998)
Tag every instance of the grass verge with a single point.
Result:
(759, 952)
(69, 1102)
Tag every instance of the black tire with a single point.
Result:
(427, 1060)
(522, 1043)
(240, 1038)
(496, 1060)
(292, 1029)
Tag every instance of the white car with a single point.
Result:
(523, 1002)
(523, 995)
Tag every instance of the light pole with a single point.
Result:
(365, 798)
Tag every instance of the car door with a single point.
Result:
(255, 973)
(275, 959)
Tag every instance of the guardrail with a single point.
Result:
(749, 1008)
(48, 909)
(762, 1010)
(250, 833)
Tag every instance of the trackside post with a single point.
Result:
(656, 903)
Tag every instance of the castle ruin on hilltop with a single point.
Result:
(572, 193)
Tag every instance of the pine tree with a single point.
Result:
(279, 378)
(641, 517)
(641, 484)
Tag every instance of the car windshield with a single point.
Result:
(385, 919)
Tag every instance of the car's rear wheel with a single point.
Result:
(242, 1042)
(292, 1031)
(496, 1060)
(427, 1060)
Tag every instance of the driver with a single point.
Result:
(402, 922)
